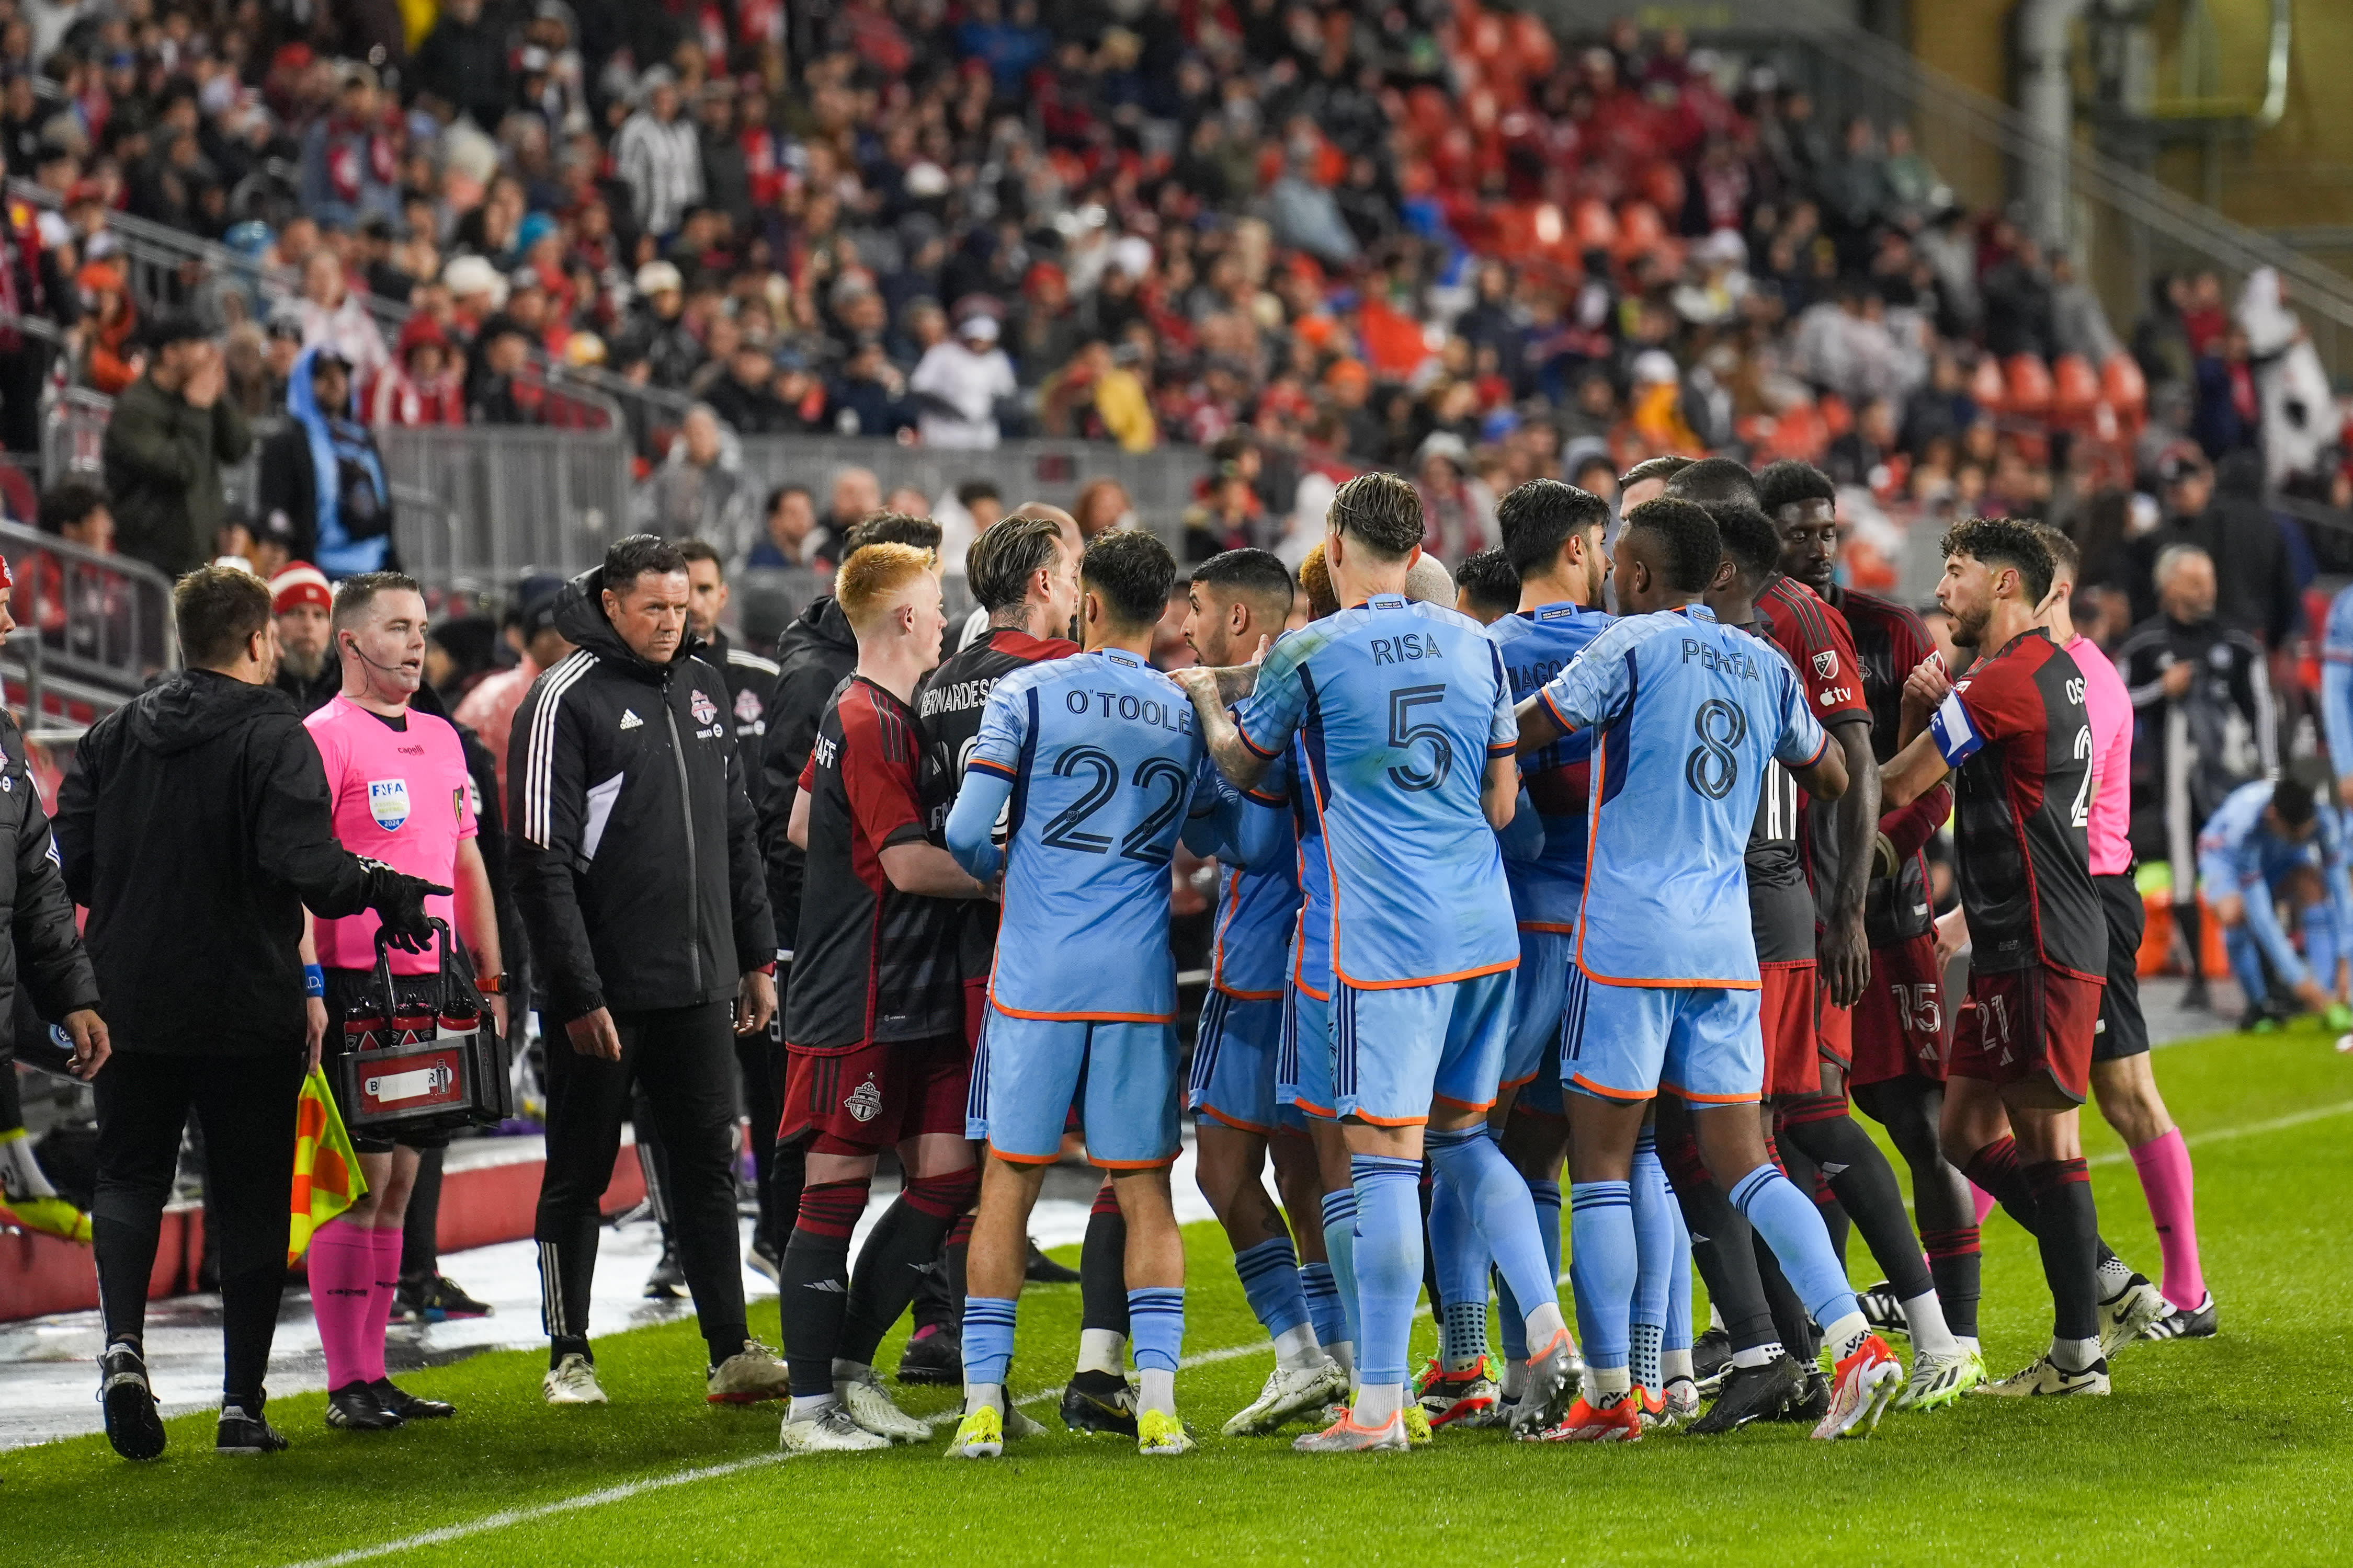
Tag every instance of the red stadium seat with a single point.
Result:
(2029, 386)
(2075, 389)
(1987, 388)
(1594, 226)
(2126, 388)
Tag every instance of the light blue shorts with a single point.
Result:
(1539, 999)
(1122, 1077)
(1302, 1063)
(1234, 1056)
(1630, 1042)
(1396, 1052)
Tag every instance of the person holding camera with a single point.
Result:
(196, 826)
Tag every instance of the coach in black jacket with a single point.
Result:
(637, 863)
(196, 826)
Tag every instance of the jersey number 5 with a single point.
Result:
(1404, 734)
(1714, 767)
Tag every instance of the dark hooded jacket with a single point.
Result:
(632, 842)
(46, 960)
(813, 657)
(195, 826)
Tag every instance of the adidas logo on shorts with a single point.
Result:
(629, 719)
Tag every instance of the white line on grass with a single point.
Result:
(628, 1490)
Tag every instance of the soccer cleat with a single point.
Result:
(764, 1259)
(2044, 1379)
(354, 1408)
(979, 1435)
(1938, 1381)
(131, 1423)
(51, 1216)
(1469, 1398)
(1752, 1393)
(1618, 1421)
(2128, 1314)
(1544, 1397)
(1417, 1434)
(667, 1281)
(1344, 1436)
(1018, 1425)
(1099, 1401)
(1678, 1406)
(572, 1381)
(862, 1395)
(830, 1431)
(247, 1433)
(752, 1375)
(1883, 1311)
(1711, 1360)
(2186, 1323)
(1812, 1400)
(933, 1356)
(433, 1298)
(1159, 1435)
(1043, 1270)
(1864, 1381)
(410, 1406)
(1652, 1407)
(1289, 1394)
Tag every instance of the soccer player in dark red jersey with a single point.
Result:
(1813, 1126)
(2015, 732)
(1897, 1072)
(1024, 573)
(874, 1022)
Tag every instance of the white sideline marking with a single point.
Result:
(628, 1490)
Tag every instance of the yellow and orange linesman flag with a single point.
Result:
(327, 1179)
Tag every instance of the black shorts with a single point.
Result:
(2122, 1032)
(344, 987)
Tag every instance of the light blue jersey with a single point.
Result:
(1686, 715)
(2337, 684)
(1400, 706)
(1258, 888)
(1537, 646)
(2238, 854)
(1101, 759)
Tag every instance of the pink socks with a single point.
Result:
(342, 1281)
(386, 1282)
(2172, 1188)
(1984, 1200)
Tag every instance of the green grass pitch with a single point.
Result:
(2239, 1449)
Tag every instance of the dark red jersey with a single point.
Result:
(871, 962)
(1814, 638)
(1890, 642)
(1780, 906)
(2015, 734)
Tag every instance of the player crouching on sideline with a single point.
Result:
(1408, 715)
(1664, 995)
(874, 1021)
(1237, 601)
(401, 796)
(1102, 756)
(2014, 734)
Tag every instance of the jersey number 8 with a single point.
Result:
(1714, 767)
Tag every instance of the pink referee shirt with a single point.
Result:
(402, 797)
(2109, 707)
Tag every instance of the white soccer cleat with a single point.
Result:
(1679, 1405)
(2045, 1380)
(1018, 1425)
(2129, 1313)
(1865, 1381)
(1938, 1381)
(572, 1381)
(830, 1431)
(873, 1408)
(1289, 1394)
(752, 1375)
(1344, 1436)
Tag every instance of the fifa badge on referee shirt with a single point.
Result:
(388, 802)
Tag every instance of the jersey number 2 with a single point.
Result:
(1140, 842)
(1404, 734)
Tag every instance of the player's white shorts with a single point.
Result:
(1396, 1051)
(1630, 1042)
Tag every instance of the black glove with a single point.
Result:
(398, 899)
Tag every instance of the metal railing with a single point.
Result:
(93, 629)
(481, 504)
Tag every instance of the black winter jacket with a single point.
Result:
(813, 657)
(633, 847)
(46, 959)
(195, 826)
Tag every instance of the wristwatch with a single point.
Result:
(492, 985)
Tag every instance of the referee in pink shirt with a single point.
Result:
(401, 796)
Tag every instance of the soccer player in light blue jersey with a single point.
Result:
(2270, 841)
(1236, 602)
(1100, 761)
(1686, 716)
(1404, 712)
